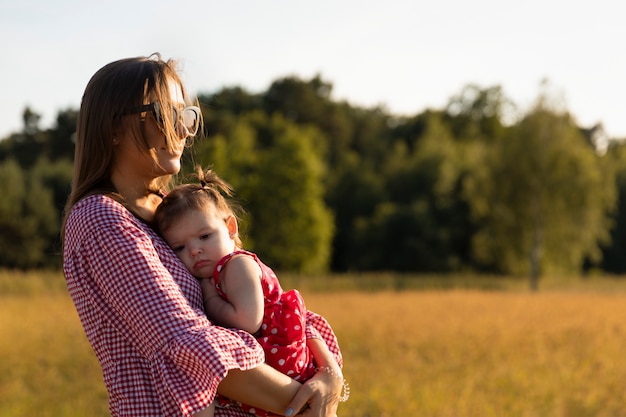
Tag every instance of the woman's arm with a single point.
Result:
(241, 282)
(262, 387)
(270, 390)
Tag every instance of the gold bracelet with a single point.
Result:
(345, 388)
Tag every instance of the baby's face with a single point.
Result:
(200, 240)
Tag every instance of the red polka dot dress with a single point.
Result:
(282, 334)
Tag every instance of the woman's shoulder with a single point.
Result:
(96, 212)
(98, 207)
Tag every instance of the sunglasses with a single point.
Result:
(190, 116)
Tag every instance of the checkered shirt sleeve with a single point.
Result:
(319, 328)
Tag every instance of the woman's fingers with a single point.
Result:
(316, 398)
(300, 401)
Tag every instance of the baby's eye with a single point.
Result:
(205, 236)
(178, 248)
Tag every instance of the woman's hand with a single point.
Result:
(319, 396)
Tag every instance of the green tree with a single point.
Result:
(354, 191)
(479, 112)
(222, 109)
(304, 102)
(28, 220)
(289, 200)
(25, 147)
(60, 143)
(541, 200)
(613, 259)
(419, 226)
(55, 177)
(277, 170)
(233, 153)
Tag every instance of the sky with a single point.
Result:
(405, 55)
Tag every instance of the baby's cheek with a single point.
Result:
(188, 263)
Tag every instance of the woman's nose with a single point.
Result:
(181, 130)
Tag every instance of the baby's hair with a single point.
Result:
(210, 193)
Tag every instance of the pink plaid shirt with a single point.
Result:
(142, 313)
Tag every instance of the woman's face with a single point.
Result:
(132, 158)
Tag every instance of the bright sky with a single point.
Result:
(407, 55)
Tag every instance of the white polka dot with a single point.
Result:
(274, 350)
(296, 327)
(264, 326)
(290, 372)
(294, 354)
(281, 362)
(274, 331)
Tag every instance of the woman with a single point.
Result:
(140, 308)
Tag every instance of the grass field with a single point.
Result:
(431, 352)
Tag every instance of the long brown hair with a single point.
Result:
(115, 91)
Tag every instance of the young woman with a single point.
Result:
(200, 225)
(139, 306)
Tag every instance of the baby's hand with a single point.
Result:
(208, 290)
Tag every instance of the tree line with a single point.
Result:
(475, 186)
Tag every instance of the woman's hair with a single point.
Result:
(118, 89)
(208, 195)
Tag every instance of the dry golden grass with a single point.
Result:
(47, 367)
(413, 353)
(467, 353)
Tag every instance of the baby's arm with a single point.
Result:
(207, 412)
(241, 281)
